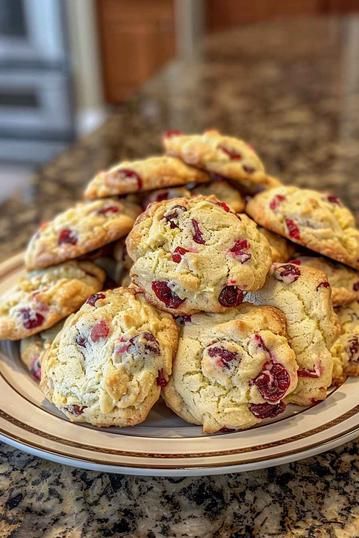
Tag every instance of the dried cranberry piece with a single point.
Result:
(293, 229)
(334, 199)
(75, 409)
(95, 297)
(126, 173)
(272, 382)
(31, 319)
(287, 273)
(240, 250)
(35, 368)
(99, 330)
(276, 201)
(81, 341)
(353, 349)
(231, 153)
(178, 253)
(224, 206)
(174, 213)
(306, 372)
(161, 196)
(123, 345)
(143, 343)
(164, 293)
(260, 343)
(150, 343)
(67, 236)
(323, 284)
(223, 356)
(172, 132)
(161, 380)
(295, 261)
(197, 235)
(356, 286)
(231, 296)
(108, 209)
(248, 169)
(267, 410)
(182, 320)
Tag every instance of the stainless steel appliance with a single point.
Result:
(36, 119)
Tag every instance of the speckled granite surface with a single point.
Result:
(292, 89)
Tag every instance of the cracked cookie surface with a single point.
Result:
(316, 220)
(143, 175)
(226, 156)
(232, 370)
(195, 254)
(303, 294)
(345, 349)
(165, 194)
(343, 280)
(223, 191)
(81, 229)
(109, 363)
(42, 298)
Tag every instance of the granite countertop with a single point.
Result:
(290, 88)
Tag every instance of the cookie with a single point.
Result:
(109, 363)
(224, 192)
(195, 255)
(303, 294)
(281, 249)
(345, 349)
(316, 220)
(144, 175)
(165, 194)
(232, 370)
(343, 280)
(42, 298)
(33, 349)
(79, 230)
(226, 156)
(123, 262)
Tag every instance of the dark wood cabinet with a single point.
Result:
(137, 37)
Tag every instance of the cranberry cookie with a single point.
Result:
(109, 363)
(42, 298)
(33, 349)
(303, 294)
(345, 349)
(145, 175)
(232, 370)
(195, 254)
(343, 280)
(313, 219)
(226, 156)
(123, 261)
(281, 249)
(79, 230)
(165, 194)
(224, 192)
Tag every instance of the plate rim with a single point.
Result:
(173, 467)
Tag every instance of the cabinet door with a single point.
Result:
(137, 37)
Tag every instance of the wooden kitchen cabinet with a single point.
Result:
(136, 37)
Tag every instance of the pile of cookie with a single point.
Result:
(195, 276)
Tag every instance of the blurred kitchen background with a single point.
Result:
(65, 63)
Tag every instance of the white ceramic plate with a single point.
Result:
(164, 445)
